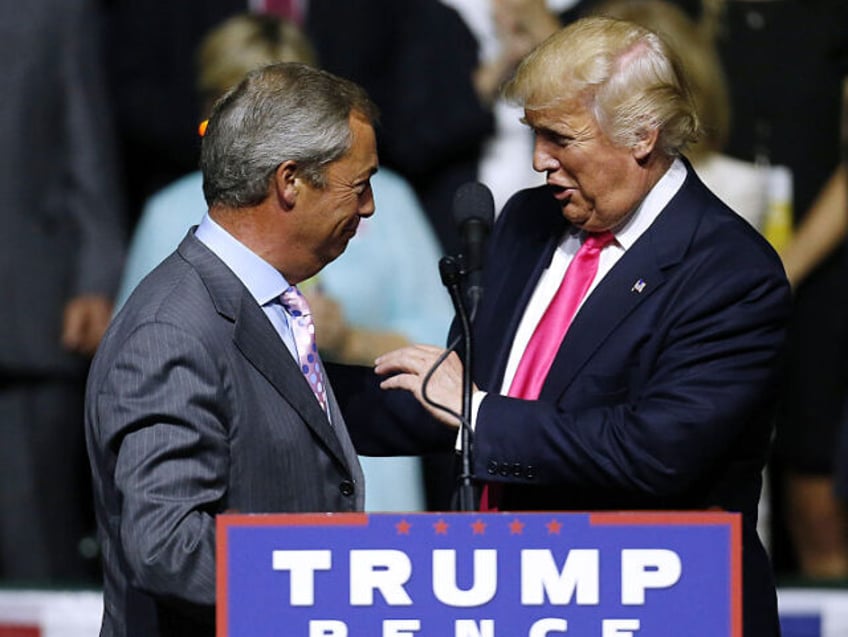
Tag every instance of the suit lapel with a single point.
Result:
(526, 260)
(640, 272)
(258, 341)
(630, 283)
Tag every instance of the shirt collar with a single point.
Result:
(261, 279)
(652, 205)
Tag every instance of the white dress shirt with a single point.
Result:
(625, 236)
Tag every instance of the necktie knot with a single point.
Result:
(544, 344)
(597, 240)
(294, 302)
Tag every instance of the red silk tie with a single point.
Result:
(544, 344)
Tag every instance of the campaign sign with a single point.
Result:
(480, 575)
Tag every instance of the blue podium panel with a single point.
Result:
(480, 575)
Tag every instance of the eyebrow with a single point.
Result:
(550, 133)
(540, 128)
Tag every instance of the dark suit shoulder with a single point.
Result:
(170, 293)
(731, 240)
(172, 297)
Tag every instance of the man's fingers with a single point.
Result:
(408, 382)
(415, 359)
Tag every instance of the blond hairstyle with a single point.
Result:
(700, 60)
(628, 77)
(243, 43)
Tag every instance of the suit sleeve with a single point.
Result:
(94, 194)
(385, 423)
(160, 411)
(703, 382)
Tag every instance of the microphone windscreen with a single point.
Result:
(474, 200)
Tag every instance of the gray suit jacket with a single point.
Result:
(59, 205)
(194, 407)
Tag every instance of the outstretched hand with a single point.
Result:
(406, 368)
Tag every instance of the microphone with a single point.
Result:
(474, 214)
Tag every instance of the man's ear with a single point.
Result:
(286, 183)
(645, 146)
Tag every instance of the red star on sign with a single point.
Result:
(516, 527)
(479, 527)
(553, 527)
(441, 527)
(403, 527)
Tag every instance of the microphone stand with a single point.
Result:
(451, 271)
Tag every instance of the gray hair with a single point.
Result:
(626, 75)
(280, 112)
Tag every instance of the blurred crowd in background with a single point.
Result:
(99, 181)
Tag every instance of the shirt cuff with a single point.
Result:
(476, 400)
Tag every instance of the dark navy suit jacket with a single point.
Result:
(661, 395)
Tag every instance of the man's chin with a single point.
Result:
(337, 250)
(575, 216)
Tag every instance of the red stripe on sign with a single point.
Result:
(19, 630)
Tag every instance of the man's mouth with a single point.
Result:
(350, 229)
(561, 193)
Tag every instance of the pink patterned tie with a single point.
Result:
(303, 330)
(544, 344)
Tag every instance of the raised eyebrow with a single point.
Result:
(524, 121)
(366, 175)
(553, 135)
(544, 130)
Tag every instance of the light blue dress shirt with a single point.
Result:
(387, 279)
(261, 279)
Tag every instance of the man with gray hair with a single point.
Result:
(627, 345)
(207, 393)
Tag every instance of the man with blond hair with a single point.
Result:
(627, 344)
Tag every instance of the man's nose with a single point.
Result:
(543, 158)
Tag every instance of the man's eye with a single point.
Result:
(558, 140)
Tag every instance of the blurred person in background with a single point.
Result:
(61, 253)
(785, 62)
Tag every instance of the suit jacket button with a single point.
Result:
(516, 469)
(346, 488)
(492, 467)
(530, 472)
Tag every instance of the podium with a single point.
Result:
(546, 574)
